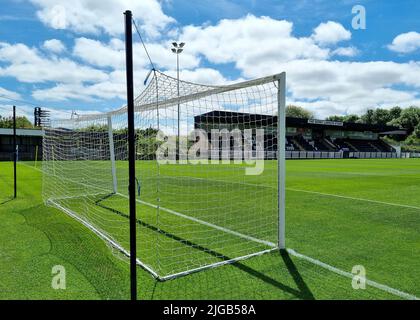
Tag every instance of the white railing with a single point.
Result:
(313, 155)
(410, 154)
(373, 155)
(352, 155)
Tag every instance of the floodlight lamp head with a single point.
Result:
(179, 50)
(182, 44)
(174, 50)
(175, 44)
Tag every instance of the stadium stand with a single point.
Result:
(28, 141)
(364, 145)
(305, 138)
(309, 135)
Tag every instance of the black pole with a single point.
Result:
(131, 152)
(177, 76)
(14, 152)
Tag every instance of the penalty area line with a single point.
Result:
(306, 191)
(353, 198)
(349, 275)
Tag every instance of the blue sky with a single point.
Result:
(69, 55)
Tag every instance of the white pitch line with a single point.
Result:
(308, 191)
(346, 274)
(300, 190)
(208, 224)
(353, 198)
(224, 181)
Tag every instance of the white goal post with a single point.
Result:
(281, 159)
(216, 199)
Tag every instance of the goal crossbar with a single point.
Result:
(212, 90)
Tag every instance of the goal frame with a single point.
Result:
(279, 81)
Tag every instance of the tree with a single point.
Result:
(21, 122)
(348, 118)
(95, 128)
(395, 113)
(409, 119)
(298, 112)
(351, 118)
(381, 116)
(335, 118)
(417, 131)
(368, 117)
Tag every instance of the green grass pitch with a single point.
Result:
(341, 212)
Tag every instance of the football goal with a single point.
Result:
(210, 173)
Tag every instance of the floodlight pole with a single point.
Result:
(177, 49)
(14, 152)
(131, 152)
(177, 85)
(281, 158)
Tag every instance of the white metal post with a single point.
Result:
(281, 158)
(112, 155)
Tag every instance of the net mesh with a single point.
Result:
(206, 172)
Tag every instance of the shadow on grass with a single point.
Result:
(70, 241)
(303, 288)
(302, 291)
(4, 201)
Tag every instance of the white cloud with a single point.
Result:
(96, 16)
(112, 54)
(63, 92)
(406, 42)
(248, 41)
(54, 45)
(164, 58)
(5, 95)
(27, 65)
(325, 108)
(330, 33)
(113, 87)
(99, 54)
(334, 87)
(205, 76)
(346, 52)
(313, 79)
(256, 46)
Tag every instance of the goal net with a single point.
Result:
(209, 173)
